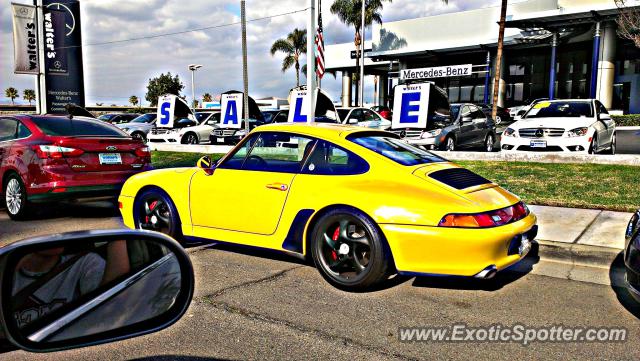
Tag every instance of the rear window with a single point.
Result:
(80, 127)
(394, 149)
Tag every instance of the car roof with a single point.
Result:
(320, 130)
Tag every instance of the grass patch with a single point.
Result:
(596, 186)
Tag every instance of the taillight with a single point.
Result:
(56, 151)
(143, 152)
(486, 219)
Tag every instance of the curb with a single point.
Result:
(577, 254)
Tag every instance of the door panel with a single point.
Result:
(465, 135)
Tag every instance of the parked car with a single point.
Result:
(275, 196)
(117, 118)
(502, 115)
(384, 111)
(632, 256)
(577, 125)
(275, 116)
(186, 130)
(469, 127)
(363, 117)
(517, 112)
(231, 136)
(50, 158)
(139, 127)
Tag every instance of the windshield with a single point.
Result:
(394, 149)
(455, 109)
(106, 117)
(145, 118)
(560, 109)
(268, 116)
(77, 127)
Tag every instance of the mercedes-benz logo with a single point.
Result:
(539, 133)
(57, 64)
(403, 133)
(24, 11)
(112, 147)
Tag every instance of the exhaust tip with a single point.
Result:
(487, 273)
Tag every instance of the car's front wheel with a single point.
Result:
(488, 143)
(190, 138)
(612, 150)
(15, 198)
(348, 249)
(154, 210)
(450, 144)
(593, 147)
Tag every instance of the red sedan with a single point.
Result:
(51, 158)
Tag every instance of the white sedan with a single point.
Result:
(577, 126)
(186, 131)
(363, 117)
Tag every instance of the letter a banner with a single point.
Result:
(231, 106)
(25, 39)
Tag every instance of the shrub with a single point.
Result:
(629, 120)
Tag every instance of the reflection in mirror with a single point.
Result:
(88, 288)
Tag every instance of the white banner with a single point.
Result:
(25, 39)
(232, 106)
(299, 106)
(437, 72)
(166, 111)
(410, 106)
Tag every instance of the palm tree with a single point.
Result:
(133, 100)
(11, 93)
(29, 95)
(206, 98)
(293, 46)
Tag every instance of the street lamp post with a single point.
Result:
(193, 68)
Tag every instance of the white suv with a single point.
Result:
(576, 125)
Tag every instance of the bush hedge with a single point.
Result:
(629, 120)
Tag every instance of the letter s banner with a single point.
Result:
(166, 110)
(410, 106)
(298, 105)
(232, 108)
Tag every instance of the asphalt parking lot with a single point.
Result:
(253, 305)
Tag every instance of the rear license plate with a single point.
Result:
(220, 140)
(525, 245)
(538, 144)
(110, 158)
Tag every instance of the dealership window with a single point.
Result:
(478, 94)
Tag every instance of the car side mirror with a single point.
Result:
(352, 121)
(521, 113)
(206, 164)
(604, 116)
(86, 288)
(466, 120)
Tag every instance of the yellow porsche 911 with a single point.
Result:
(361, 203)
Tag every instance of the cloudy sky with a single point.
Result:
(114, 72)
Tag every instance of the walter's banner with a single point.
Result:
(166, 111)
(25, 39)
(231, 106)
(299, 106)
(410, 106)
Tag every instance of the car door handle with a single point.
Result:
(278, 186)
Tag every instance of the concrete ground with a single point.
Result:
(253, 305)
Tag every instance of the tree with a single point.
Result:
(294, 45)
(29, 95)
(195, 104)
(133, 100)
(164, 84)
(628, 22)
(11, 93)
(206, 97)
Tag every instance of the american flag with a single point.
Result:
(319, 45)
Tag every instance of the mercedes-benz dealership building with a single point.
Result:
(553, 49)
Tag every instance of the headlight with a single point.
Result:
(240, 133)
(509, 132)
(431, 133)
(578, 132)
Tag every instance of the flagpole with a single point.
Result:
(319, 12)
(362, 56)
(311, 61)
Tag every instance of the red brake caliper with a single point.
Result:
(335, 236)
(151, 207)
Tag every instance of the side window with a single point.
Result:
(355, 116)
(601, 108)
(7, 129)
(478, 114)
(369, 115)
(329, 159)
(466, 112)
(23, 132)
(278, 152)
(237, 158)
(282, 117)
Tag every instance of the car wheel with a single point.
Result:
(139, 135)
(15, 198)
(593, 147)
(498, 119)
(154, 210)
(612, 150)
(488, 143)
(450, 144)
(190, 138)
(348, 249)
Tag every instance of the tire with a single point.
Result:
(15, 198)
(612, 149)
(139, 135)
(189, 138)
(488, 143)
(498, 119)
(593, 147)
(345, 261)
(449, 144)
(155, 202)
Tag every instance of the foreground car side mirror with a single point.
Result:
(87, 288)
(206, 164)
(604, 116)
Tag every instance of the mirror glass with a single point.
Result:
(84, 289)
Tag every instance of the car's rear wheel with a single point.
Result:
(498, 119)
(15, 198)
(450, 144)
(348, 249)
(154, 210)
(190, 138)
(488, 143)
